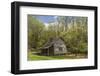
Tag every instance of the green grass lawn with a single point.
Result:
(38, 57)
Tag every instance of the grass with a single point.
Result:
(38, 57)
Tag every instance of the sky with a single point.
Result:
(46, 19)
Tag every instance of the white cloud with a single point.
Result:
(46, 24)
(55, 17)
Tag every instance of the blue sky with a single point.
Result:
(46, 19)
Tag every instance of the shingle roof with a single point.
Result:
(52, 41)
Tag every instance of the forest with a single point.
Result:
(72, 29)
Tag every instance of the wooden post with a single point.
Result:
(48, 51)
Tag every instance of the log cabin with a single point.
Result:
(53, 47)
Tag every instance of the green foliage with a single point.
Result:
(76, 39)
(35, 31)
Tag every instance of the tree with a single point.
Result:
(76, 36)
(35, 31)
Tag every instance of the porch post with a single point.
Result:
(48, 51)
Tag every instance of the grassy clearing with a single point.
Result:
(38, 57)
